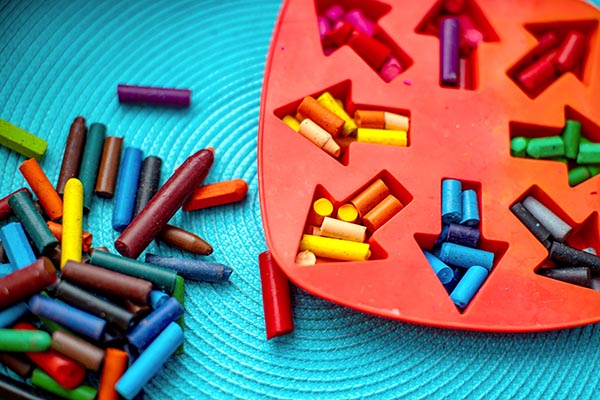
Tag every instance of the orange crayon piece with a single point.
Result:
(216, 194)
(115, 363)
(382, 213)
(315, 111)
(370, 197)
(43, 189)
(56, 230)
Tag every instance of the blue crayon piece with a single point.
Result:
(194, 270)
(148, 328)
(466, 257)
(150, 361)
(17, 247)
(470, 208)
(444, 273)
(11, 314)
(158, 298)
(468, 286)
(70, 317)
(6, 268)
(127, 184)
(451, 201)
(457, 274)
(449, 52)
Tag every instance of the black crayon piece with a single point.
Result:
(580, 276)
(568, 256)
(539, 231)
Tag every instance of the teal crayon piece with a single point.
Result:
(589, 153)
(33, 222)
(90, 162)
(546, 147)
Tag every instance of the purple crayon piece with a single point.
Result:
(154, 95)
(360, 22)
(449, 52)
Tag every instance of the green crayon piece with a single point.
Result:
(571, 137)
(583, 139)
(24, 340)
(578, 175)
(518, 146)
(178, 293)
(589, 153)
(21, 141)
(546, 147)
(90, 162)
(32, 220)
(42, 380)
(594, 169)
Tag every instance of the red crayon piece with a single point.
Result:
(159, 210)
(372, 51)
(570, 52)
(5, 209)
(539, 74)
(276, 297)
(66, 371)
(545, 43)
(339, 35)
(27, 281)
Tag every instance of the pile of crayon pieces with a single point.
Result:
(457, 261)
(326, 123)
(568, 264)
(338, 27)
(70, 311)
(581, 155)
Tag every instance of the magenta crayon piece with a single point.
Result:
(390, 69)
(360, 22)
(570, 52)
(154, 95)
(449, 52)
(26, 281)
(159, 210)
(324, 26)
(334, 13)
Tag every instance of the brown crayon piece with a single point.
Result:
(109, 167)
(78, 349)
(184, 240)
(17, 364)
(72, 154)
(27, 281)
(313, 110)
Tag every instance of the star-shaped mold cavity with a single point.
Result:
(460, 257)
(343, 229)
(353, 23)
(562, 48)
(331, 121)
(576, 144)
(461, 27)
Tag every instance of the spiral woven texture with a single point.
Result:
(60, 59)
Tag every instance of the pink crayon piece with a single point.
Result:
(360, 22)
(154, 95)
(390, 69)
(334, 13)
(324, 26)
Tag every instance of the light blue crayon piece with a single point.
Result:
(127, 185)
(451, 201)
(444, 273)
(466, 257)
(457, 274)
(468, 286)
(150, 361)
(11, 314)
(470, 209)
(17, 247)
(158, 298)
(6, 268)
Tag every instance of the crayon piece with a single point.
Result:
(334, 13)
(106, 281)
(16, 245)
(374, 119)
(179, 295)
(21, 141)
(329, 102)
(589, 153)
(149, 180)
(449, 52)
(518, 146)
(216, 194)
(184, 240)
(57, 231)
(161, 278)
(463, 235)
(546, 42)
(368, 198)
(194, 270)
(568, 256)
(17, 364)
(382, 136)
(578, 175)
(138, 311)
(306, 258)
(87, 354)
(324, 26)
(16, 340)
(127, 185)
(9, 315)
(33, 222)
(72, 154)
(291, 122)
(26, 281)
(470, 208)
(319, 137)
(169, 198)
(158, 298)
(580, 276)
(570, 52)
(72, 233)
(72, 318)
(371, 50)
(347, 212)
(115, 364)
(451, 201)
(320, 209)
(571, 137)
(444, 273)
(94, 305)
(558, 228)
(339, 34)
(539, 74)
(360, 22)
(151, 326)
(454, 6)
(466, 257)
(336, 249)
(468, 285)
(396, 121)
(169, 97)
(109, 167)
(539, 231)
(16, 390)
(90, 162)
(546, 147)
(338, 229)
(390, 69)
(5, 210)
(382, 213)
(44, 381)
(41, 186)
(276, 298)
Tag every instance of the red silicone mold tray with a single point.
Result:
(459, 133)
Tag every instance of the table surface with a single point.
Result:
(61, 59)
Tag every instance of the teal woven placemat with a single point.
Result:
(61, 59)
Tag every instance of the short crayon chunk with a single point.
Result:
(21, 141)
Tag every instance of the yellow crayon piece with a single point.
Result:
(291, 122)
(72, 222)
(336, 249)
(382, 136)
(347, 213)
(321, 208)
(333, 105)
